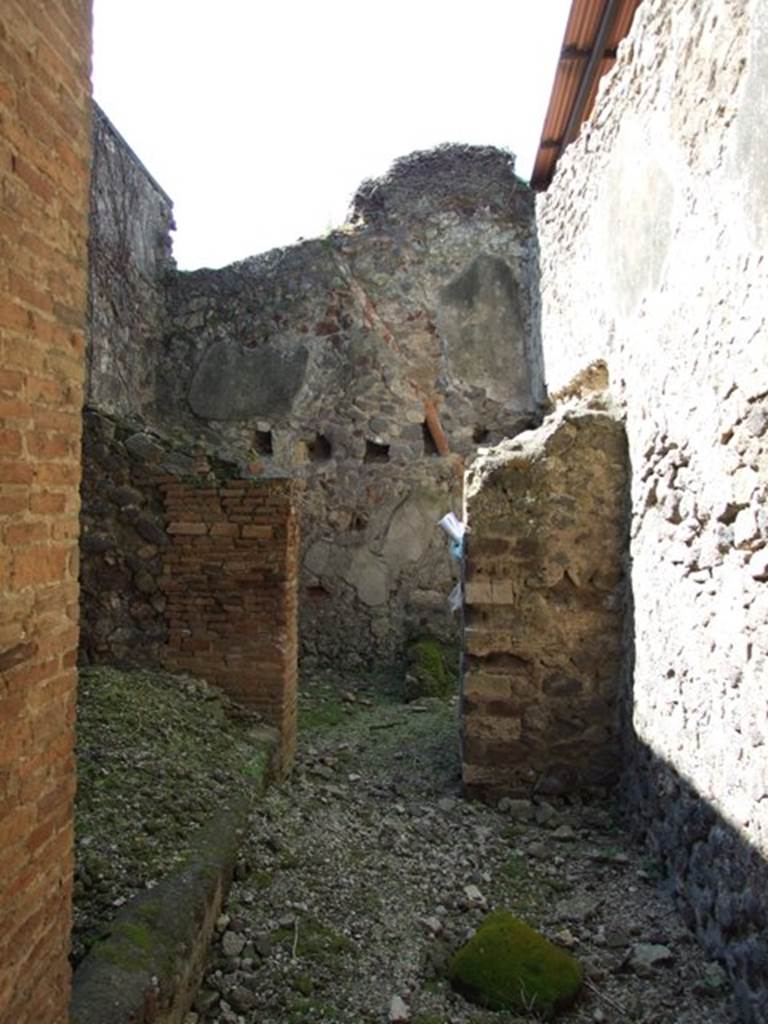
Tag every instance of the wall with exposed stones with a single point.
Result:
(122, 616)
(653, 241)
(129, 249)
(369, 363)
(544, 608)
(44, 161)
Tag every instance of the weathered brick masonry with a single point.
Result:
(44, 173)
(230, 577)
(544, 604)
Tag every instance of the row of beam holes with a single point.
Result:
(319, 450)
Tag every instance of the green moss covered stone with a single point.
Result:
(428, 673)
(508, 966)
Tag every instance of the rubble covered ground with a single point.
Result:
(156, 754)
(366, 870)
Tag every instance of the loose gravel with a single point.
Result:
(155, 755)
(367, 870)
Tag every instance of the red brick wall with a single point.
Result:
(44, 171)
(230, 577)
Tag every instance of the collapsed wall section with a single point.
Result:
(544, 603)
(370, 363)
(653, 237)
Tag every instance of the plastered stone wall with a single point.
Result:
(129, 246)
(44, 169)
(370, 363)
(653, 243)
(544, 605)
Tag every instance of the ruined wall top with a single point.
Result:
(130, 252)
(450, 177)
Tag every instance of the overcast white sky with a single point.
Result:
(261, 117)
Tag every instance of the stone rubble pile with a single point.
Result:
(366, 872)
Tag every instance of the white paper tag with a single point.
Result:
(452, 525)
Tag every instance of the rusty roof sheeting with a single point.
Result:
(578, 75)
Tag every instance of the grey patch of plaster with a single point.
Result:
(483, 331)
(640, 197)
(318, 558)
(367, 573)
(233, 382)
(752, 141)
(411, 530)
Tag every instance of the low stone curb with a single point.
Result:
(147, 971)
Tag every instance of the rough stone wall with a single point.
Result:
(230, 576)
(130, 253)
(370, 363)
(544, 609)
(44, 161)
(123, 617)
(653, 241)
(122, 611)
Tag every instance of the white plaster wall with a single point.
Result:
(653, 239)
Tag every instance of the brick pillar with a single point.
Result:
(544, 603)
(230, 576)
(44, 174)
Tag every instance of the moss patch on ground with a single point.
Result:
(157, 755)
(507, 965)
(431, 669)
(314, 941)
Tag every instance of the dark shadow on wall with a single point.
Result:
(717, 879)
(534, 345)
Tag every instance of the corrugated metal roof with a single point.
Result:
(594, 30)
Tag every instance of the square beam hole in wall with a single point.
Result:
(319, 450)
(480, 435)
(430, 448)
(375, 452)
(262, 442)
